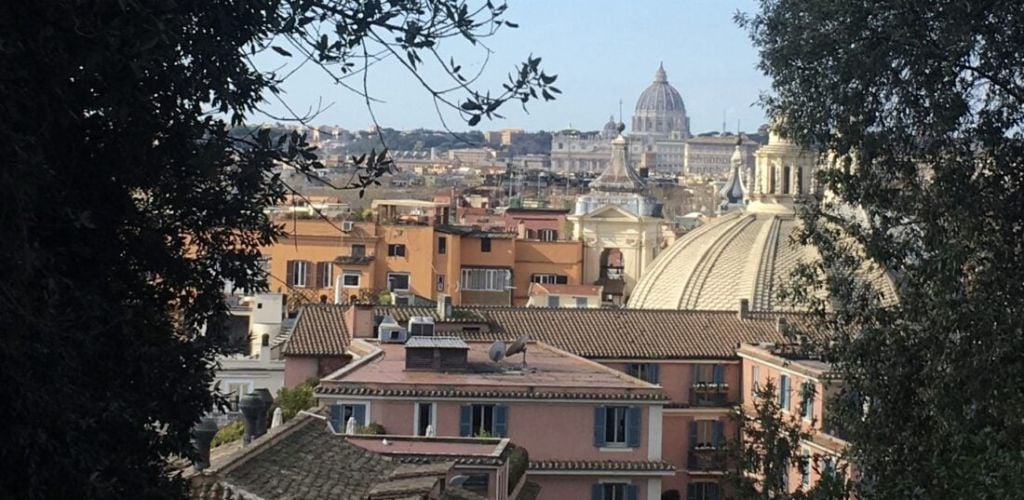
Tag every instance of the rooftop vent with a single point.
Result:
(436, 353)
(389, 331)
(421, 326)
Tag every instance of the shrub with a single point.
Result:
(229, 433)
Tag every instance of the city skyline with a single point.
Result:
(600, 58)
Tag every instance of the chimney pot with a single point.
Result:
(744, 311)
(202, 436)
(251, 405)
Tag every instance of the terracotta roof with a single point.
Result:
(539, 288)
(347, 390)
(319, 331)
(403, 313)
(602, 465)
(633, 333)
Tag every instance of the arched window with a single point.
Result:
(786, 180)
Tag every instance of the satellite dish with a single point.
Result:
(497, 351)
(519, 346)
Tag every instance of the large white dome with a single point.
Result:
(660, 109)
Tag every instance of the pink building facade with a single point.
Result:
(802, 391)
(591, 432)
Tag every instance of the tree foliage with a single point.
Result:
(768, 447)
(293, 400)
(126, 204)
(920, 107)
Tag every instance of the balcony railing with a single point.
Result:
(709, 394)
(706, 459)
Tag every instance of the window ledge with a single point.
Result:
(615, 448)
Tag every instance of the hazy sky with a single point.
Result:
(601, 50)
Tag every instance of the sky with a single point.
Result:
(602, 51)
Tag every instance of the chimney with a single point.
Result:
(780, 325)
(444, 306)
(744, 312)
(202, 436)
(251, 406)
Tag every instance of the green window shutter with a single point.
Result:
(501, 420)
(599, 426)
(633, 418)
(466, 421)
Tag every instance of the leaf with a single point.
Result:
(473, 120)
(511, 24)
(281, 51)
(471, 106)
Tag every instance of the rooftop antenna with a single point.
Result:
(496, 351)
(519, 346)
(723, 122)
(620, 109)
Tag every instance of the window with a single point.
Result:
(398, 282)
(755, 381)
(704, 374)
(702, 491)
(424, 418)
(396, 250)
(442, 245)
(358, 251)
(235, 392)
(582, 302)
(614, 491)
(706, 434)
(547, 235)
(807, 405)
(549, 279)
(485, 245)
(324, 274)
(477, 482)
(553, 301)
(340, 413)
(483, 420)
(440, 283)
(805, 469)
(784, 392)
(298, 273)
(785, 475)
(490, 280)
(617, 426)
(644, 371)
(350, 279)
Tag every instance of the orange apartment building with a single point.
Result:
(409, 253)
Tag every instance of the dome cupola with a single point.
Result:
(660, 109)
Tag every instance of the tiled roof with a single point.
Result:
(319, 331)
(344, 390)
(403, 313)
(602, 465)
(633, 333)
(308, 462)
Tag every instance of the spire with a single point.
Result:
(660, 76)
(619, 175)
(734, 193)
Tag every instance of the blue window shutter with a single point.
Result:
(359, 412)
(633, 417)
(652, 371)
(466, 421)
(691, 491)
(599, 426)
(501, 420)
(696, 373)
(597, 491)
(718, 432)
(719, 374)
(693, 434)
(711, 491)
(631, 492)
(336, 422)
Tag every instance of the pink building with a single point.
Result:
(545, 224)
(799, 379)
(691, 356)
(591, 431)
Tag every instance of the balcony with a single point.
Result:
(709, 394)
(705, 459)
